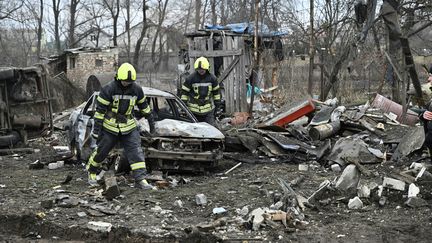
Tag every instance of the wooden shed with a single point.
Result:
(230, 60)
(231, 55)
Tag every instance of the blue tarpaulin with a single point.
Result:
(247, 28)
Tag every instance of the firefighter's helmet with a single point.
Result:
(202, 63)
(126, 72)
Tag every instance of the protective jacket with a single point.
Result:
(115, 108)
(201, 93)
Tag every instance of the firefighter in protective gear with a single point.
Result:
(114, 122)
(201, 92)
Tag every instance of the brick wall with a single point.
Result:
(81, 65)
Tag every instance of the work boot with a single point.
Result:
(94, 178)
(144, 185)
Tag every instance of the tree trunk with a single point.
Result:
(128, 29)
(114, 10)
(141, 37)
(39, 31)
(72, 23)
(311, 47)
(56, 10)
(162, 13)
(223, 19)
(335, 71)
(197, 14)
(213, 12)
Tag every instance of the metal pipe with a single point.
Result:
(324, 131)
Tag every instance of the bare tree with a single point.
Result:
(197, 14)
(161, 10)
(38, 16)
(113, 7)
(73, 8)
(7, 8)
(213, 12)
(143, 32)
(56, 11)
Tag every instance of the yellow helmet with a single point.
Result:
(202, 63)
(126, 72)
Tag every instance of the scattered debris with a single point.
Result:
(349, 179)
(393, 184)
(355, 203)
(99, 226)
(219, 210)
(201, 199)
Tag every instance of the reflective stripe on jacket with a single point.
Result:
(115, 107)
(200, 92)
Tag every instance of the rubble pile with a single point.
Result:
(354, 158)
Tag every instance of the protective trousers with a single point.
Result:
(131, 144)
(209, 118)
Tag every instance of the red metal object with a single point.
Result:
(293, 113)
(388, 106)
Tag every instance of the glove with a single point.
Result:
(427, 115)
(151, 123)
(218, 109)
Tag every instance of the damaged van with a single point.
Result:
(179, 143)
(25, 104)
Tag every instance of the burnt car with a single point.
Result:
(179, 143)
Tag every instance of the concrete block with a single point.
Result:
(111, 189)
(413, 190)
(355, 203)
(178, 203)
(349, 179)
(201, 199)
(363, 191)
(243, 211)
(257, 216)
(53, 166)
(56, 165)
(393, 184)
(416, 202)
(335, 168)
(303, 167)
(99, 226)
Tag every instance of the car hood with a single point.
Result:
(175, 128)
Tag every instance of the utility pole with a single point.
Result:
(311, 48)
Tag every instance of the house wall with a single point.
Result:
(81, 65)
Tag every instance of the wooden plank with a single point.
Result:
(229, 82)
(211, 59)
(218, 53)
(227, 71)
(243, 91)
(237, 79)
(191, 59)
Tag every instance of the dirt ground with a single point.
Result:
(135, 217)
